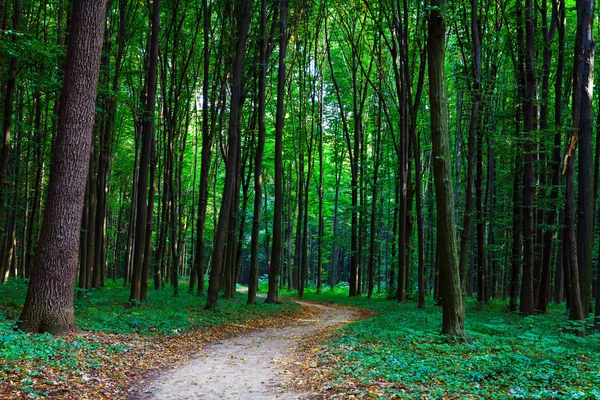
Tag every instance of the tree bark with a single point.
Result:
(453, 309)
(147, 135)
(232, 156)
(49, 303)
(527, 304)
(559, 12)
(262, 81)
(584, 61)
(273, 292)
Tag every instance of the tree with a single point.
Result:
(232, 155)
(527, 304)
(147, 138)
(274, 268)
(581, 110)
(265, 52)
(49, 303)
(583, 81)
(450, 287)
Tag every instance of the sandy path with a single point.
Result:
(250, 366)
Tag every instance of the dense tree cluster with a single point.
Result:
(415, 147)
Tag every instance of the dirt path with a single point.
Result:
(251, 366)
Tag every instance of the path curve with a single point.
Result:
(251, 366)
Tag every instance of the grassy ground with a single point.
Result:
(401, 353)
(122, 342)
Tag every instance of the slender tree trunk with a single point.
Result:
(453, 309)
(205, 155)
(147, 135)
(273, 293)
(149, 223)
(558, 10)
(37, 184)
(8, 114)
(527, 304)
(473, 129)
(232, 156)
(262, 81)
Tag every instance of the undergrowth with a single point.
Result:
(113, 327)
(506, 355)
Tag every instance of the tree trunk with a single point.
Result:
(232, 156)
(527, 305)
(453, 309)
(555, 164)
(8, 115)
(147, 135)
(584, 77)
(49, 303)
(258, 161)
(273, 292)
(581, 109)
(473, 129)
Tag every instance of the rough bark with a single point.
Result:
(49, 303)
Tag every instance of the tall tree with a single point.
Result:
(245, 14)
(527, 304)
(583, 83)
(147, 138)
(274, 268)
(49, 303)
(262, 78)
(581, 111)
(450, 287)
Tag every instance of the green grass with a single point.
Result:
(105, 311)
(507, 356)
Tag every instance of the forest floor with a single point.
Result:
(122, 345)
(400, 353)
(171, 347)
(260, 364)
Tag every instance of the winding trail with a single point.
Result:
(250, 366)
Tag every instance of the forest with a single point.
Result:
(419, 176)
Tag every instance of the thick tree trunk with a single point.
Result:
(584, 55)
(49, 303)
(578, 245)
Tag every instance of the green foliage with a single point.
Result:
(507, 356)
